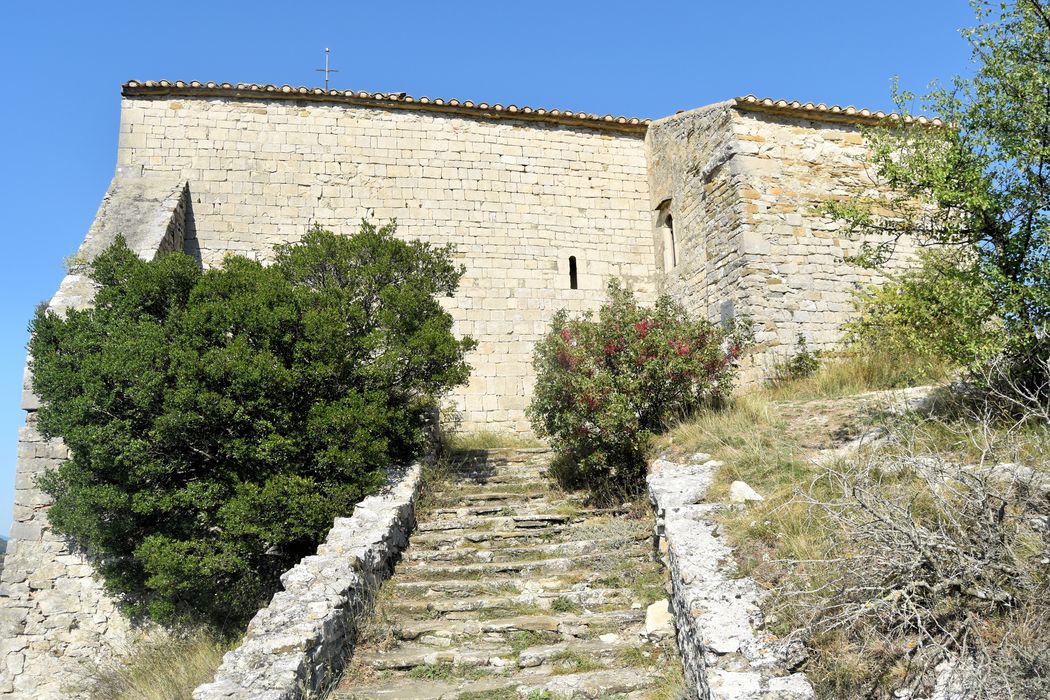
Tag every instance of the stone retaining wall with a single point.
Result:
(297, 645)
(725, 653)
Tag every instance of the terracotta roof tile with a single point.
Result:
(400, 100)
(388, 99)
(823, 111)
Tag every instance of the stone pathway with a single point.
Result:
(510, 589)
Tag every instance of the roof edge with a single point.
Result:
(824, 112)
(196, 89)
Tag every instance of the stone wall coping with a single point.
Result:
(297, 646)
(726, 655)
(383, 100)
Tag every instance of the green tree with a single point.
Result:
(219, 420)
(941, 311)
(980, 185)
(606, 385)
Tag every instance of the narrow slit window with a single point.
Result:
(573, 281)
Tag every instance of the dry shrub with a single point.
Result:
(934, 569)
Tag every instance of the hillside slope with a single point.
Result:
(904, 534)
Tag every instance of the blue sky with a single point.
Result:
(62, 64)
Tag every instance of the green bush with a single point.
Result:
(802, 364)
(604, 386)
(219, 420)
(942, 311)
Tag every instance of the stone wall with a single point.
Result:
(747, 187)
(297, 645)
(692, 166)
(517, 197)
(55, 619)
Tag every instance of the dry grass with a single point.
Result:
(160, 668)
(856, 373)
(489, 440)
(752, 440)
(671, 684)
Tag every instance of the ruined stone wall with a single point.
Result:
(56, 622)
(748, 187)
(518, 199)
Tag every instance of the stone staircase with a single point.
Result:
(511, 589)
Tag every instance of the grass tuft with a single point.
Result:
(564, 605)
(160, 668)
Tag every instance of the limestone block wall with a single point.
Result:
(747, 187)
(517, 197)
(56, 621)
(797, 281)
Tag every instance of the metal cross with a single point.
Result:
(326, 70)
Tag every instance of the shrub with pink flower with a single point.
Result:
(606, 383)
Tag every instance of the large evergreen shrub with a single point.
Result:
(606, 385)
(219, 420)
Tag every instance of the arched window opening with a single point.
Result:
(573, 281)
(665, 223)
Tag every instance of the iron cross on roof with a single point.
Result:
(326, 70)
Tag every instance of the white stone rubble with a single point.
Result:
(741, 492)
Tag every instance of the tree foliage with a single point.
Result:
(219, 420)
(606, 385)
(939, 311)
(979, 186)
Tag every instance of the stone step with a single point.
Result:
(493, 654)
(438, 537)
(504, 552)
(598, 650)
(486, 496)
(475, 595)
(587, 624)
(510, 522)
(498, 468)
(605, 684)
(417, 571)
(410, 655)
(509, 454)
